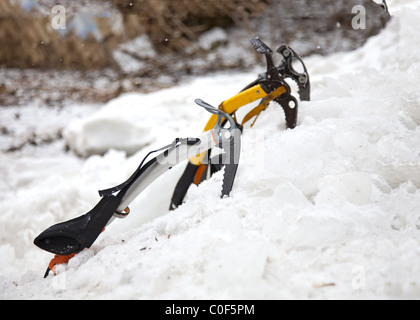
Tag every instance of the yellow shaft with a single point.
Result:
(229, 106)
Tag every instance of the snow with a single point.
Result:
(212, 38)
(140, 47)
(328, 210)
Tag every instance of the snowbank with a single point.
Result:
(327, 210)
(134, 120)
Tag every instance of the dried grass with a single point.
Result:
(27, 40)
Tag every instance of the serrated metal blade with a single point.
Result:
(231, 162)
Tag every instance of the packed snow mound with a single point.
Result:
(328, 210)
(135, 120)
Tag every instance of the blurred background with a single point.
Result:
(107, 47)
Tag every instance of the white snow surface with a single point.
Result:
(328, 210)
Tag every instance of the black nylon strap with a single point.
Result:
(142, 167)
